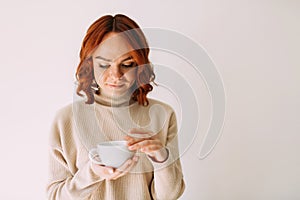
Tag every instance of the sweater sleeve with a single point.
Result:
(65, 180)
(168, 183)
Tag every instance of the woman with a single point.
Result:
(114, 75)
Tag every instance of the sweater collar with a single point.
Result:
(114, 101)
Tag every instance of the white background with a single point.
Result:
(254, 44)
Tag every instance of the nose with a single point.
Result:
(115, 71)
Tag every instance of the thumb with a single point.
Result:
(109, 170)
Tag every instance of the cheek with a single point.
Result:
(99, 75)
(131, 76)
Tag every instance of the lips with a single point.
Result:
(115, 85)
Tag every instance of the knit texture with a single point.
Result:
(79, 127)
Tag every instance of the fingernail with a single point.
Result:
(110, 171)
(129, 162)
(136, 158)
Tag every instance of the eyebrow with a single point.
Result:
(108, 60)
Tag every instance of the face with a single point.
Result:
(114, 68)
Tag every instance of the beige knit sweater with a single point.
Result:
(78, 127)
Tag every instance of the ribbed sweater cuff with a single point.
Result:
(159, 165)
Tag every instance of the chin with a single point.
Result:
(116, 92)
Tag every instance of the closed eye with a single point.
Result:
(129, 65)
(104, 66)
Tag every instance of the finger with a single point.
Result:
(126, 164)
(128, 138)
(131, 140)
(135, 141)
(121, 169)
(114, 175)
(108, 170)
(123, 173)
(150, 148)
(102, 170)
(98, 167)
(144, 143)
(127, 169)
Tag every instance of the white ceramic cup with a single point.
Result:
(111, 153)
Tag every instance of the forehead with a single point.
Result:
(113, 46)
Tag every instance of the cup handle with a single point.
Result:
(93, 153)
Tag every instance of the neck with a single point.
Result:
(114, 101)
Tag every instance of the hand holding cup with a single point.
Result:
(112, 159)
(147, 143)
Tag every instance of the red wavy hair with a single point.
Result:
(135, 37)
